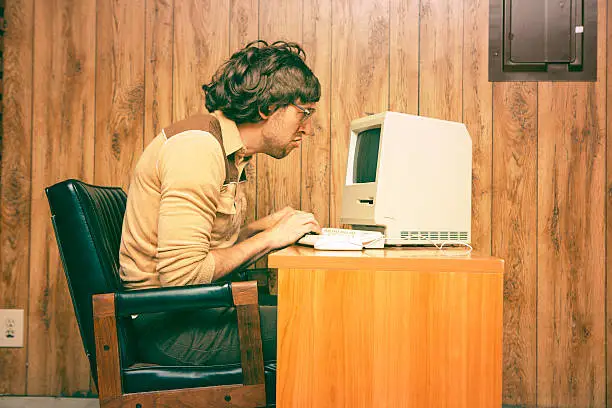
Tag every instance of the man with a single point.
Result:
(186, 201)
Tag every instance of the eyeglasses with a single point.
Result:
(308, 112)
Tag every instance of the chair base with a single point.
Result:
(243, 396)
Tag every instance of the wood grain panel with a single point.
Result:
(317, 44)
(371, 52)
(278, 181)
(404, 56)
(477, 116)
(571, 274)
(244, 26)
(244, 23)
(15, 187)
(608, 322)
(201, 35)
(64, 73)
(360, 78)
(347, 338)
(159, 41)
(441, 59)
(571, 237)
(608, 73)
(514, 231)
(120, 88)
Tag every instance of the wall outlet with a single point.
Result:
(11, 327)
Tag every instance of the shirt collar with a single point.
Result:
(231, 136)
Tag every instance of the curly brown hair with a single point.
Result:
(261, 78)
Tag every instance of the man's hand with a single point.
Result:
(274, 218)
(292, 226)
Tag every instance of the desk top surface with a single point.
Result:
(301, 257)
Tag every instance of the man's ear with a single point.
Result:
(271, 110)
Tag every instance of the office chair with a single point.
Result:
(87, 220)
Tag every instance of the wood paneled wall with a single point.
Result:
(88, 83)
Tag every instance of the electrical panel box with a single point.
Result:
(543, 40)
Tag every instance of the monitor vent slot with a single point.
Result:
(427, 236)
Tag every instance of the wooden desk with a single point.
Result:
(388, 328)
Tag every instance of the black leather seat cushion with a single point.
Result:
(157, 378)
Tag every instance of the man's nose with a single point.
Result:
(307, 127)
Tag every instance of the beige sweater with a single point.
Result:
(185, 198)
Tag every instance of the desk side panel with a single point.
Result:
(364, 338)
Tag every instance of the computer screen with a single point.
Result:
(366, 156)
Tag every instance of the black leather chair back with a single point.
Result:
(87, 221)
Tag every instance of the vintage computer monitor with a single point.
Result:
(409, 177)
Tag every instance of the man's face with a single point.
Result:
(285, 128)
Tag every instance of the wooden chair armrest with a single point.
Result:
(249, 331)
(107, 348)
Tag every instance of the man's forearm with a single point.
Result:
(264, 223)
(254, 228)
(241, 255)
